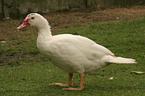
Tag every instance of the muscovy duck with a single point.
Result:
(71, 53)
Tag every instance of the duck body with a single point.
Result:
(73, 53)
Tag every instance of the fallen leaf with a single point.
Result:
(137, 72)
(111, 78)
(3, 41)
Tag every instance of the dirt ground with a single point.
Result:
(85, 16)
(62, 20)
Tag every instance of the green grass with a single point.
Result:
(27, 73)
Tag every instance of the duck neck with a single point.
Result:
(44, 33)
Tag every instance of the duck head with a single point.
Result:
(34, 19)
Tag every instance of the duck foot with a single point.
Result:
(59, 84)
(72, 88)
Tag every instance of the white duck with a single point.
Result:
(71, 53)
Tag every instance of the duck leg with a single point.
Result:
(81, 84)
(69, 81)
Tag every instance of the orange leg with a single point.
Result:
(81, 84)
(69, 81)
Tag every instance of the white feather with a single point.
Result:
(113, 59)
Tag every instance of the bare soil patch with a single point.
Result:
(62, 20)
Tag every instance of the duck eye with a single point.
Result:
(32, 17)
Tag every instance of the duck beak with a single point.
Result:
(24, 24)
